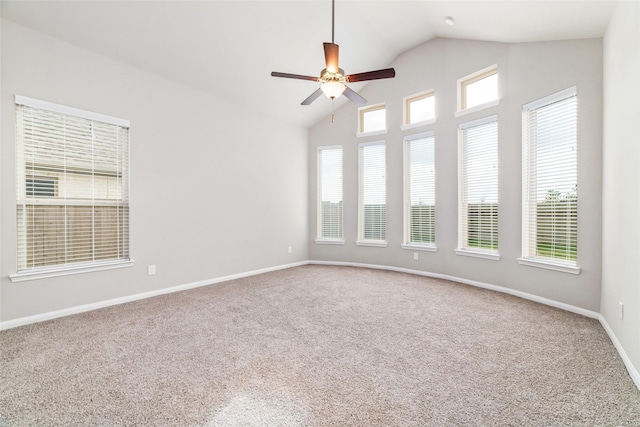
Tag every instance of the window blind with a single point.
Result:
(550, 223)
(478, 194)
(330, 192)
(420, 189)
(72, 187)
(372, 191)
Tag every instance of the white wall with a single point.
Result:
(621, 178)
(527, 71)
(215, 189)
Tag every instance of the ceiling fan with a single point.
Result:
(333, 78)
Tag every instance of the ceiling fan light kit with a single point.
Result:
(333, 78)
(332, 89)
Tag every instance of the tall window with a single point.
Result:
(72, 188)
(478, 183)
(372, 206)
(420, 199)
(550, 198)
(330, 194)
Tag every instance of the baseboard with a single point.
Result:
(129, 298)
(633, 372)
(531, 297)
(635, 375)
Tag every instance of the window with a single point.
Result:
(372, 194)
(330, 194)
(478, 183)
(372, 119)
(550, 181)
(419, 108)
(419, 182)
(72, 189)
(478, 89)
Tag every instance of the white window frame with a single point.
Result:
(362, 111)
(361, 184)
(408, 244)
(320, 238)
(463, 248)
(54, 270)
(470, 79)
(527, 258)
(406, 110)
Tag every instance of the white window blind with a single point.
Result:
(72, 187)
(330, 193)
(478, 182)
(372, 221)
(420, 200)
(550, 157)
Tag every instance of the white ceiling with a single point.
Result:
(229, 48)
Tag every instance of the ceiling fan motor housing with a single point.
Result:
(327, 76)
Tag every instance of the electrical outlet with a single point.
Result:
(151, 270)
(621, 310)
(415, 256)
(289, 249)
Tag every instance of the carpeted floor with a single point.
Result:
(318, 346)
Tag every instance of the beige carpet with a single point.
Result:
(318, 346)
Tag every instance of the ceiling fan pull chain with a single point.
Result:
(333, 116)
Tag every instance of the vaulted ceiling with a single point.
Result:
(229, 48)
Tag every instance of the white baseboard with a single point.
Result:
(129, 298)
(531, 297)
(635, 375)
(633, 372)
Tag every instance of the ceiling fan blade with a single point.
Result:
(353, 96)
(331, 57)
(386, 73)
(312, 97)
(294, 76)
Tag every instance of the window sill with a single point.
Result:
(480, 107)
(549, 265)
(374, 243)
(46, 273)
(329, 242)
(418, 124)
(494, 256)
(371, 133)
(419, 247)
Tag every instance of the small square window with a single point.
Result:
(372, 119)
(419, 108)
(478, 88)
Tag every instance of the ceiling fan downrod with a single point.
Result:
(333, 20)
